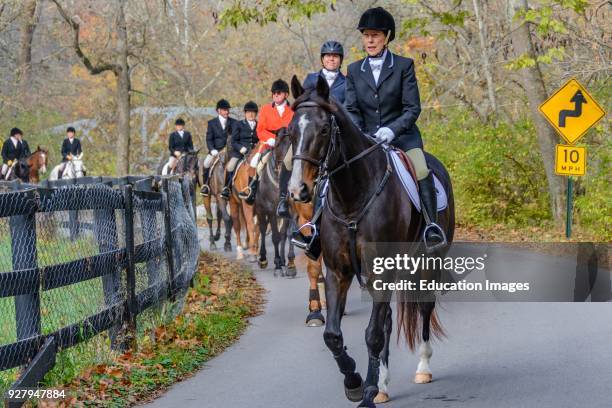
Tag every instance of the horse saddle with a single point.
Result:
(238, 165)
(405, 171)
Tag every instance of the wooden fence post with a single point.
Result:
(148, 223)
(169, 244)
(132, 306)
(24, 256)
(105, 231)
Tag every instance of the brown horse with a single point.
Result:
(38, 164)
(303, 212)
(364, 203)
(243, 214)
(217, 179)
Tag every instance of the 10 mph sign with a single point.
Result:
(570, 160)
(572, 111)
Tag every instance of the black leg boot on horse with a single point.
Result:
(283, 206)
(205, 191)
(433, 236)
(249, 195)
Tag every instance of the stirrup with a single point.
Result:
(303, 244)
(439, 245)
(202, 193)
(245, 193)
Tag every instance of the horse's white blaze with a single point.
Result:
(43, 168)
(383, 378)
(425, 352)
(296, 174)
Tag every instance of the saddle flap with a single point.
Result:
(405, 172)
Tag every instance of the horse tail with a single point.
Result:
(410, 323)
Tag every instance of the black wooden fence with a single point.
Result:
(81, 257)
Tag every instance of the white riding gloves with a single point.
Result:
(271, 142)
(176, 154)
(384, 133)
(243, 150)
(214, 152)
(255, 160)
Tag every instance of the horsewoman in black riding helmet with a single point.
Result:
(244, 138)
(14, 148)
(382, 97)
(332, 55)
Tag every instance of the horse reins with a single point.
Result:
(324, 172)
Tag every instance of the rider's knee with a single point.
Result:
(417, 157)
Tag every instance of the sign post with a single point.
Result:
(571, 111)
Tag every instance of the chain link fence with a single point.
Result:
(84, 257)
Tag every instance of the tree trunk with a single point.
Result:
(486, 63)
(26, 34)
(533, 83)
(123, 96)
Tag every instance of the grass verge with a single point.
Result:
(215, 314)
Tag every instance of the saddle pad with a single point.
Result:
(411, 187)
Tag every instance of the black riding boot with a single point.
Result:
(311, 244)
(433, 235)
(205, 189)
(282, 210)
(225, 193)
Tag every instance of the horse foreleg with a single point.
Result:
(315, 317)
(227, 219)
(247, 210)
(237, 224)
(209, 219)
(375, 340)
(291, 269)
(276, 241)
(383, 370)
(423, 373)
(263, 225)
(337, 285)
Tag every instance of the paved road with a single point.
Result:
(497, 355)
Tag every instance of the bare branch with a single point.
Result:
(93, 69)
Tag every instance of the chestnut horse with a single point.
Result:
(243, 214)
(38, 164)
(365, 202)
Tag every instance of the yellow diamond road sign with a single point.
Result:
(570, 160)
(572, 111)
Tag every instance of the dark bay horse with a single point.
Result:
(216, 181)
(265, 205)
(365, 203)
(20, 170)
(303, 214)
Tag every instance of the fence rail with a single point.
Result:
(85, 256)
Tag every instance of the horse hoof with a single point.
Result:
(381, 398)
(278, 272)
(355, 393)
(263, 264)
(227, 248)
(315, 319)
(366, 404)
(422, 378)
(291, 271)
(213, 246)
(252, 258)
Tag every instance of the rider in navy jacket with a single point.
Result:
(332, 55)
(71, 146)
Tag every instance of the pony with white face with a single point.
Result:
(71, 169)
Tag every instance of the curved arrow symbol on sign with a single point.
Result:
(578, 100)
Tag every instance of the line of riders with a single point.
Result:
(15, 149)
(381, 95)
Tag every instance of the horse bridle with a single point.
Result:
(325, 172)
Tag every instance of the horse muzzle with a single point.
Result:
(303, 195)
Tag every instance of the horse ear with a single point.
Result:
(322, 88)
(296, 87)
(38, 148)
